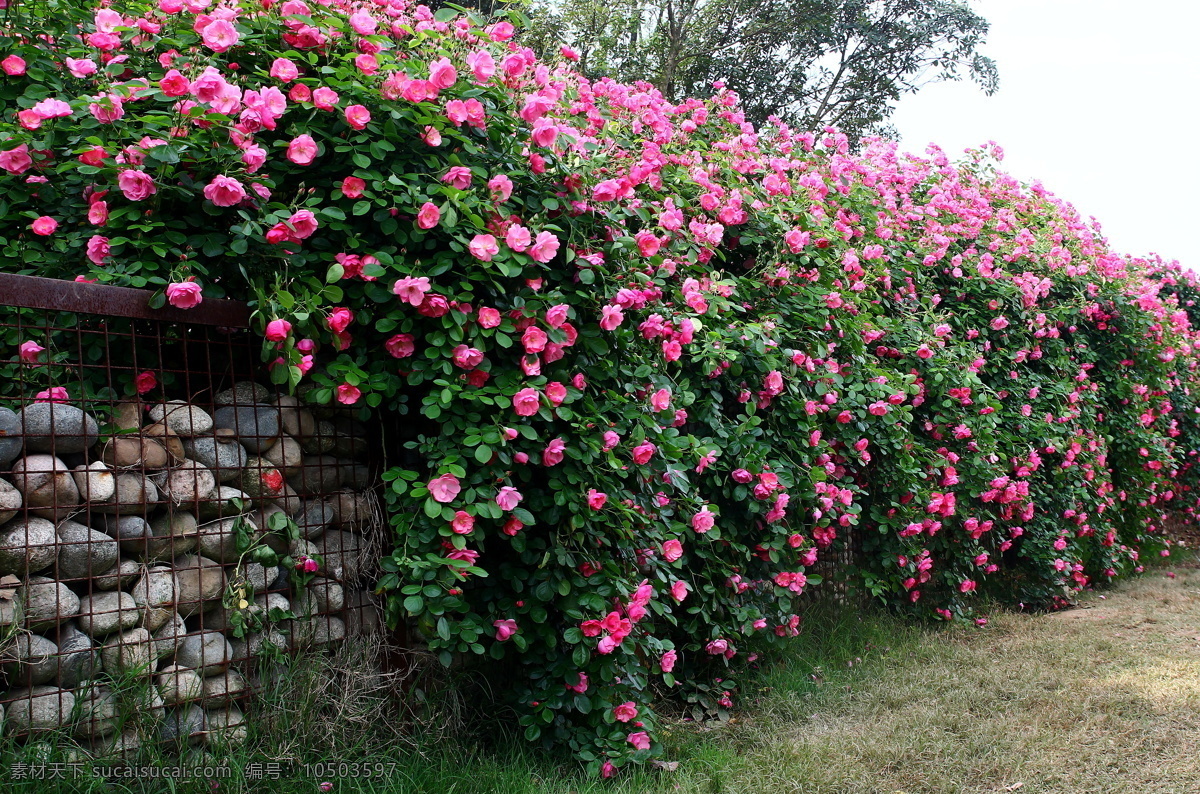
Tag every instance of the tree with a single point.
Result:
(812, 62)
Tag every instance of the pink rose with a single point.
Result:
(44, 226)
(13, 66)
(596, 499)
(488, 317)
(462, 523)
(556, 393)
(400, 346)
(185, 295)
(661, 400)
(624, 712)
(97, 249)
(703, 521)
(347, 394)
(717, 647)
(363, 23)
(544, 247)
(501, 187)
(553, 454)
(219, 35)
(55, 394)
(304, 223)
(145, 382)
(505, 629)
(339, 319)
(444, 488)
(284, 70)
(302, 150)
(508, 498)
(136, 185)
(352, 187)
(611, 317)
(442, 73)
(467, 357)
(29, 352)
(518, 238)
(224, 191)
(672, 550)
(679, 590)
(611, 439)
(357, 116)
(526, 402)
(640, 740)
(278, 330)
(429, 215)
(643, 452)
(483, 247)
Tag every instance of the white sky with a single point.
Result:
(1098, 99)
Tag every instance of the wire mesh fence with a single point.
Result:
(170, 524)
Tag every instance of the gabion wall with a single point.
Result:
(167, 524)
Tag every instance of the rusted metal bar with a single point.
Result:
(35, 292)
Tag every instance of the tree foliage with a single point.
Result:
(814, 63)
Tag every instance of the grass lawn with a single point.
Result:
(1104, 698)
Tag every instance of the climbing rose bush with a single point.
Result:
(642, 366)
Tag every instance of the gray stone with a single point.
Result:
(174, 532)
(100, 614)
(260, 577)
(262, 480)
(314, 517)
(201, 583)
(342, 555)
(351, 510)
(296, 420)
(127, 415)
(135, 452)
(223, 455)
(256, 426)
(135, 494)
(47, 603)
(317, 631)
(182, 418)
(285, 454)
(318, 474)
(321, 440)
(46, 486)
(167, 639)
(155, 594)
(10, 437)
(187, 484)
(10, 501)
(130, 651)
(248, 650)
(118, 576)
(275, 539)
(218, 540)
(245, 392)
(356, 475)
(327, 595)
(78, 657)
(226, 727)
(97, 713)
(184, 724)
(57, 428)
(119, 745)
(39, 708)
(351, 443)
(27, 546)
(177, 685)
(171, 441)
(206, 652)
(289, 500)
(83, 552)
(272, 601)
(224, 503)
(95, 482)
(32, 659)
(223, 688)
(132, 532)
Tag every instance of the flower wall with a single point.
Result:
(654, 362)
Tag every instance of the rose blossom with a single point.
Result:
(526, 402)
(224, 191)
(508, 498)
(505, 629)
(444, 488)
(278, 330)
(184, 295)
(44, 226)
(347, 394)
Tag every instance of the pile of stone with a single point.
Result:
(154, 549)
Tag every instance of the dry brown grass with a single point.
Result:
(1104, 698)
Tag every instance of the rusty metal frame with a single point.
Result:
(35, 292)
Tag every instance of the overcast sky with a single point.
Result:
(1098, 99)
